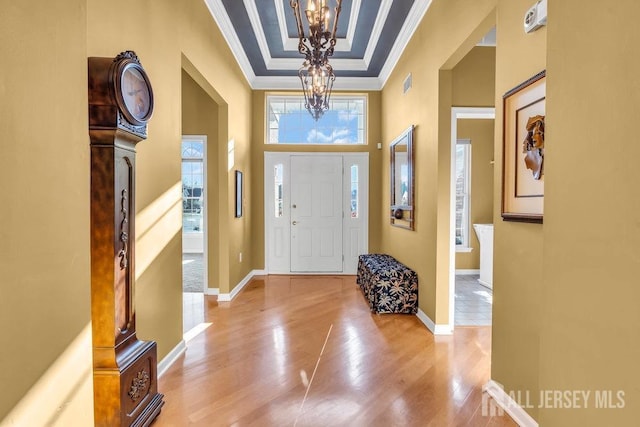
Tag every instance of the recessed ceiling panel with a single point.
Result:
(371, 36)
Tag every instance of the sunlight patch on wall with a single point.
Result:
(64, 393)
(156, 225)
(231, 147)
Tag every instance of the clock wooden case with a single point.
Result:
(124, 367)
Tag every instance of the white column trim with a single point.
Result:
(234, 293)
(430, 324)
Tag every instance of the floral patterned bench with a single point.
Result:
(388, 285)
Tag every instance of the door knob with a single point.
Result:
(294, 222)
(294, 206)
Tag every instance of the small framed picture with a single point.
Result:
(523, 151)
(239, 195)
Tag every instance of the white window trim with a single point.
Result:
(466, 216)
(457, 113)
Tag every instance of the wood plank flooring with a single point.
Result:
(306, 351)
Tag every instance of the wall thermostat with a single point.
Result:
(535, 17)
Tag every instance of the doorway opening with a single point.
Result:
(470, 299)
(194, 226)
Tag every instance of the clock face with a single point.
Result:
(136, 93)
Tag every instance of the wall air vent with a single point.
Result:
(407, 83)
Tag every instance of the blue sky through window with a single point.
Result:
(290, 123)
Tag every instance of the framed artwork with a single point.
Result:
(523, 151)
(239, 186)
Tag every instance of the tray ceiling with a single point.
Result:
(371, 37)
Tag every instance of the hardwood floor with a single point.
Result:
(306, 351)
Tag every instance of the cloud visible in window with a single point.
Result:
(338, 136)
(347, 116)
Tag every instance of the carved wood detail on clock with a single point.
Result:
(138, 385)
(124, 230)
(124, 367)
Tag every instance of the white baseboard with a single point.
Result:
(435, 329)
(170, 358)
(510, 406)
(485, 284)
(234, 293)
(212, 291)
(463, 272)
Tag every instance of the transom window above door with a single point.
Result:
(289, 122)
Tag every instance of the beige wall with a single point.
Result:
(515, 355)
(473, 85)
(257, 158)
(517, 281)
(45, 153)
(200, 117)
(44, 188)
(449, 30)
(480, 132)
(473, 78)
(172, 37)
(567, 321)
(589, 316)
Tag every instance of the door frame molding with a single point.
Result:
(205, 206)
(269, 158)
(458, 113)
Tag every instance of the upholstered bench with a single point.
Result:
(388, 285)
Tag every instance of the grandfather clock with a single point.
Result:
(124, 367)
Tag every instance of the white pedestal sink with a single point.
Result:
(485, 236)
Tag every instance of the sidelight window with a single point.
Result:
(463, 192)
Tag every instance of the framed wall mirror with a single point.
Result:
(402, 180)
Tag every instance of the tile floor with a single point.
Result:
(193, 291)
(192, 310)
(192, 273)
(473, 302)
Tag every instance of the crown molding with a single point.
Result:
(293, 83)
(221, 17)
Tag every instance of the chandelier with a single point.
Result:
(316, 75)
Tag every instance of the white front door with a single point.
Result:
(316, 214)
(326, 195)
